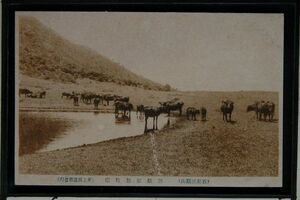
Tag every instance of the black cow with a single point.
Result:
(153, 112)
(227, 108)
(203, 113)
(191, 111)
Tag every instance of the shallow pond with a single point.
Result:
(89, 127)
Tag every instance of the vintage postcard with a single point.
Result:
(149, 99)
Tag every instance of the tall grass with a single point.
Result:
(35, 131)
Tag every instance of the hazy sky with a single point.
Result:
(189, 51)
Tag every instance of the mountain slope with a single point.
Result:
(46, 55)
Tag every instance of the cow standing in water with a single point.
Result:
(123, 109)
(226, 109)
(139, 111)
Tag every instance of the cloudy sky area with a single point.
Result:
(189, 51)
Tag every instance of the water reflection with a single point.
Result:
(93, 127)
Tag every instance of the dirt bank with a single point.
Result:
(190, 148)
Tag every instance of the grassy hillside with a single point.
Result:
(46, 55)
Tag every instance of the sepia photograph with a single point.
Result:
(148, 99)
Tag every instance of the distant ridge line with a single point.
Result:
(46, 55)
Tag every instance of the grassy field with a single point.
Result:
(245, 147)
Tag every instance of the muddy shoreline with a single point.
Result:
(182, 150)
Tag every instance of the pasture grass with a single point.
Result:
(245, 147)
(216, 148)
(35, 132)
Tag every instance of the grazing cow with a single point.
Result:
(76, 93)
(83, 97)
(87, 97)
(125, 109)
(262, 109)
(153, 112)
(203, 113)
(33, 95)
(268, 110)
(37, 95)
(256, 107)
(75, 100)
(42, 94)
(67, 95)
(98, 96)
(26, 92)
(108, 98)
(226, 109)
(119, 98)
(96, 102)
(193, 112)
(172, 106)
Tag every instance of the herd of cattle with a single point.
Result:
(28, 93)
(96, 99)
(263, 109)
